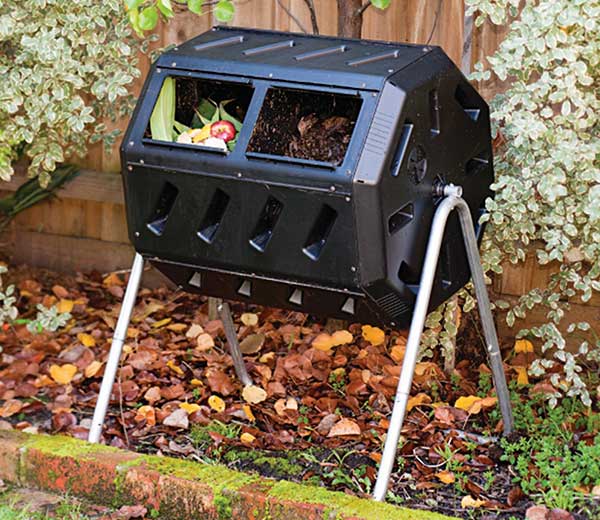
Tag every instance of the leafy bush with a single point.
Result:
(547, 174)
(64, 68)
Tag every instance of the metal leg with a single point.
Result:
(234, 345)
(452, 201)
(116, 348)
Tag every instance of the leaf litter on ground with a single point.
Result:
(318, 410)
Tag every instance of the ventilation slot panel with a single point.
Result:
(162, 209)
(319, 233)
(434, 112)
(467, 102)
(223, 42)
(214, 216)
(407, 131)
(401, 218)
(476, 165)
(266, 224)
(271, 47)
(195, 280)
(296, 297)
(408, 277)
(319, 53)
(372, 59)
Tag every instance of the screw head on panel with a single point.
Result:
(331, 188)
(174, 64)
(347, 199)
(137, 233)
(141, 161)
(130, 168)
(131, 143)
(353, 269)
(239, 175)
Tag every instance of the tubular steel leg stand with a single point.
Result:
(234, 345)
(116, 348)
(452, 201)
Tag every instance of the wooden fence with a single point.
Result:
(85, 227)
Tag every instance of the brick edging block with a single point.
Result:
(176, 489)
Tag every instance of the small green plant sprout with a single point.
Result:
(8, 310)
(337, 380)
(48, 319)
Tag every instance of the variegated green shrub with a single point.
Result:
(65, 66)
(547, 189)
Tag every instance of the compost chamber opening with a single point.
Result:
(308, 125)
(197, 111)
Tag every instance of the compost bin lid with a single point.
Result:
(341, 62)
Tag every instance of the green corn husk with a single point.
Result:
(163, 115)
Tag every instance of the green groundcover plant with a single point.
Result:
(65, 68)
(547, 189)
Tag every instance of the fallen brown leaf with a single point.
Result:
(253, 394)
(344, 427)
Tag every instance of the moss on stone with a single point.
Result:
(275, 465)
(63, 446)
(225, 483)
(342, 505)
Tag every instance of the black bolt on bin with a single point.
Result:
(325, 202)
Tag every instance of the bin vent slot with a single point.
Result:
(407, 131)
(401, 218)
(348, 306)
(371, 59)
(162, 209)
(468, 104)
(245, 289)
(195, 280)
(408, 277)
(269, 48)
(476, 165)
(296, 297)
(319, 233)
(319, 53)
(214, 216)
(232, 40)
(266, 224)
(434, 112)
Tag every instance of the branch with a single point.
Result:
(292, 16)
(364, 7)
(435, 21)
(313, 16)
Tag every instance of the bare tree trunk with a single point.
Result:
(350, 18)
